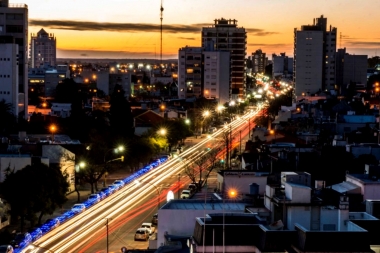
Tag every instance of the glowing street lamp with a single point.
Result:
(162, 131)
(53, 129)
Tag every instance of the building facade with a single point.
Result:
(227, 36)
(14, 22)
(203, 72)
(282, 65)
(314, 58)
(259, 61)
(43, 49)
(350, 69)
(9, 72)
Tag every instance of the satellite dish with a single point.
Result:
(169, 196)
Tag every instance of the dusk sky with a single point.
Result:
(130, 28)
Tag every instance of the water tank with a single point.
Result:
(254, 189)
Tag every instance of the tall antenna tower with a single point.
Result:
(161, 17)
(340, 40)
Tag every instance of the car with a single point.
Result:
(21, 240)
(94, 197)
(78, 208)
(212, 130)
(53, 223)
(114, 187)
(106, 190)
(36, 233)
(102, 195)
(142, 234)
(192, 187)
(149, 227)
(6, 249)
(119, 182)
(155, 219)
(185, 194)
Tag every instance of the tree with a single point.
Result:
(37, 188)
(199, 170)
(121, 119)
(8, 119)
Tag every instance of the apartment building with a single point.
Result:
(259, 61)
(227, 36)
(204, 72)
(314, 58)
(282, 65)
(43, 49)
(14, 22)
(9, 72)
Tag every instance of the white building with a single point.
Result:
(282, 65)
(212, 82)
(225, 35)
(9, 74)
(314, 58)
(14, 22)
(43, 49)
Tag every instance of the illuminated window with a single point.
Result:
(189, 71)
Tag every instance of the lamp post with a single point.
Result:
(273, 132)
(205, 115)
(116, 150)
(53, 129)
(158, 191)
(179, 184)
(76, 180)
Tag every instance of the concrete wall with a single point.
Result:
(297, 194)
(300, 215)
(329, 216)
(181, 222)
(241, 183)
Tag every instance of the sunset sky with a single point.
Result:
(130, 28)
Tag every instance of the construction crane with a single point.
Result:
(161, 17)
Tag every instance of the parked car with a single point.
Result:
(6, 249)
(106, 190)
(102, 195)
(192, 187)
(94, 197)
(78, 208)
(155, 219)
(36, 233)
(53, 223)
(212, 130)
(149, 227)
(21, 240)
(185, 194)
(119, 182)
(142, 234)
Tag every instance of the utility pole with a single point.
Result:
(240, 141)
(161, 17)
(179, 184)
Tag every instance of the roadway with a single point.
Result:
(125, 210)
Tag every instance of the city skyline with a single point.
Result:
(131, 29)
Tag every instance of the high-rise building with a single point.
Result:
(282, 65)
(43, 49)
(14, 22)
(314, 58)
(204, 72)
(350, 69)
(227, 36)
(259, 61)
(9, 72)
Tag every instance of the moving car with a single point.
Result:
(142, 234)
(21, 240)
(78, 208)
(6, 249)
(185, 194)
(149, 227)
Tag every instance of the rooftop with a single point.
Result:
(190, 204)
(364, 178)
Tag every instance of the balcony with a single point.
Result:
(17, 6)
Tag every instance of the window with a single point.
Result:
(189, 71)
(213, 83)
(14, 29)
(1, 28)
(14, 16)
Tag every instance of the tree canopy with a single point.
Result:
(34, 189)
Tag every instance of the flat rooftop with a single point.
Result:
(189, 204)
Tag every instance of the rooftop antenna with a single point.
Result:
(340, 40)
(161, 17)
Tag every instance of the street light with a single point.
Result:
(137, 182)
(107, 219)
(232, 193)
(116, 150)
(53, 129)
